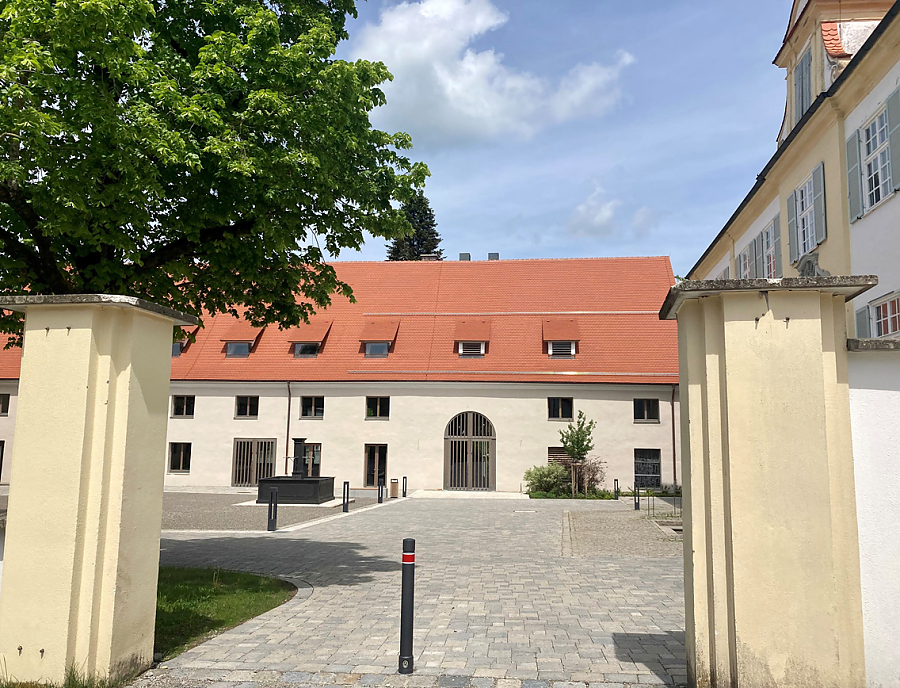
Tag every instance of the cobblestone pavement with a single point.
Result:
(500, 600)
(197, 511)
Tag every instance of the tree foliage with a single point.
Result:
(577, 439)
(550, 478)
(424, 239)
(203, 154)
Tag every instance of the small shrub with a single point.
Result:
(548, 479)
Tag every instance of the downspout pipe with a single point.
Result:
(674, 460)
(287, 437)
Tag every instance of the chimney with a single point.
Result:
(465, 256)
(429, 256)
(493, 256)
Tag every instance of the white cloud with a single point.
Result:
(645, 220)
(444, 91)
(595, 217)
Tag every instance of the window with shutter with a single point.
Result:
(768, 264)
(803, 86)
(876, 164)
(893, 117)
(818, 202)
(776, 232)
(887, 316)
(471, 349)
(854, 178)
(561, 349)
(744, 264)
(805, 212)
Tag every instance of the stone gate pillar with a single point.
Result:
(771, 560)
(85, 503)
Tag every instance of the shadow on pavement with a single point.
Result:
(662, 653)
(319, 563)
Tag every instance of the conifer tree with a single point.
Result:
(424, 240)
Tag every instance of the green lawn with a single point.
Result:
(194, 604)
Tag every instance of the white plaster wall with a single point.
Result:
(875, 409)
(7, 425)
(720, 266)
(874, 240)
(214, 428)
(415, 431)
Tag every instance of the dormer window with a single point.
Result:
(176, 349)
(378, 337)
(240, 339)
(377, 349)
(237, 349)
(562, 336)
(561, 349)
(306, 349)
(471, 349)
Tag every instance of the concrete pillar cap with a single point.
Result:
(21, 304)
(848, 286)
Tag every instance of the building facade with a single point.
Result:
(825, 204)
(455, 375)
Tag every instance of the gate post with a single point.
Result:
(85, 504)
(772, 593)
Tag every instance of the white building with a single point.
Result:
(456, 375)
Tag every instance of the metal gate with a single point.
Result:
(253, 460)
(470, 453)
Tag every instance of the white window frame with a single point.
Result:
(471, 353)
(876, 161)
(886, 323)
(806, 217)
(554, 354)
(742, 263)
(770, 253)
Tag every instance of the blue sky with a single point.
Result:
(579, 127)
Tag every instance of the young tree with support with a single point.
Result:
(577, 439)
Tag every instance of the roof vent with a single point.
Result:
(429, 256)
(493, 256)
(465, 256)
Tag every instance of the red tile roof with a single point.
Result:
(379, 331)
(239, 331)
(832, 38)
(615, 302)
(561, 330)
(315, 331)
(472, 331)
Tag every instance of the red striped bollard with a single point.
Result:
(406, 606)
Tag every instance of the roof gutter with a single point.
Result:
(814, 108)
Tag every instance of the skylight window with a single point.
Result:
(306, 349)
(561, 349)
(471, 349)
(377, 349)
(237, 349)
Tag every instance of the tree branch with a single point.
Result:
(187, 248)
(42, 261)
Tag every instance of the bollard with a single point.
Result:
(616, 488)
(273, 509)
(406, 606)
(637, 499)
(404, 485)
(380, 491)
(346, 496)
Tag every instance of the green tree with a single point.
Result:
(203, 154)
(424, 239)
(578, 441)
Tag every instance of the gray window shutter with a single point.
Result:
(863, 328)
(893, 113)
(779, 271)
(793, 240)
(854, 177)
(727, 273)
(758, 270)
(819, 202)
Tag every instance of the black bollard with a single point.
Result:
(273, 509)
(406, 606)
(616, 488)
(404, 485)
(637, 499)
(346, 496)
(380, 491)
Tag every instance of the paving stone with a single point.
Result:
(496, 602)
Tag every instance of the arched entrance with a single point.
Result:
(470, 453)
